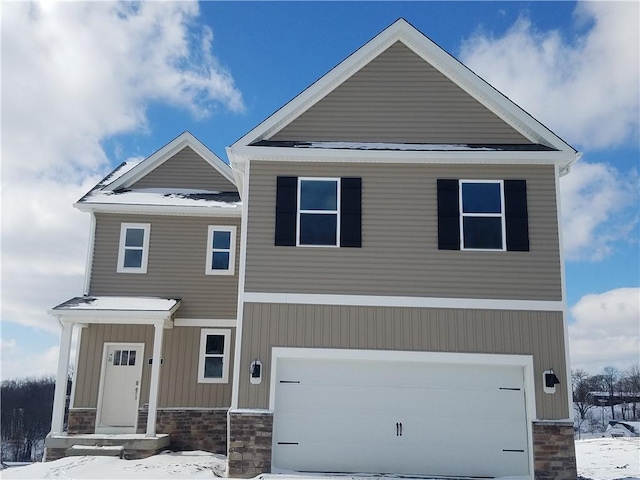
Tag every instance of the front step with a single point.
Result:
(95, 451)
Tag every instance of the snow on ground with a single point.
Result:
(609, 458)
(167, 465)
(598, 459)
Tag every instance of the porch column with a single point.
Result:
(60, 393)
(158, 333)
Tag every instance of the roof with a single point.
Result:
(122, 304)
(117, 192)
(414, 147)
(118, 310)
(252, 145)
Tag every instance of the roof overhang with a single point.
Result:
(172, 210)
(117, 310)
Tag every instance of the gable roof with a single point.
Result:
(120, 192)
(185, 139)
(401, 31)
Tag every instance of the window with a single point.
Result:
(482, 222)
(134, 248)
(221, 248)
(318, 212)
(124, 358)
(213, 364)
(483, 215)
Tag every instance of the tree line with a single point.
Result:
(25, 417)
(613, 394)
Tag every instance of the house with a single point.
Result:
(398, 277)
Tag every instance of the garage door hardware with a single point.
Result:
(399, 429)
(287, 443)
(289, 381)
(507, 388)
(507, 450)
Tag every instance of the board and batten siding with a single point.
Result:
(176, 265)
(179, 385)
(540, 334)
(399, 254)
(399, 98)
(186, 169)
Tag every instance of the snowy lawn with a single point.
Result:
(598, 459)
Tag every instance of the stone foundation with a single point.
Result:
(51, 454)
(250, 433)
(554, 451)
(81, 420)
(190, 429)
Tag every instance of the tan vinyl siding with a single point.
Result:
(399, 97)
(540, 334)
(186, 169)
(176, 265)
(399, 254)
(179, 373)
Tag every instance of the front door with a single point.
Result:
(120, 388)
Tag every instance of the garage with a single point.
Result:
(399, 412)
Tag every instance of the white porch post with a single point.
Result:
(158, 334)
(60, 394)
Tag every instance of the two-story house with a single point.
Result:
(400, 283)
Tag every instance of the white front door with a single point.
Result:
(120, 388)
(399, 417)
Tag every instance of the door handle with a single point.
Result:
(136, 394)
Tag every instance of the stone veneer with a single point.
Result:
(250, 433)
(191, 428)
(81, 420)
(554, 451)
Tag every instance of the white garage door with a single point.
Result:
(399, 417)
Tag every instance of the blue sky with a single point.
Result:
(88, 85)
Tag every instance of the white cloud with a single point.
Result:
(73, 75)
(585, 89)
(15, 364)
(606, 330)
(595, 208)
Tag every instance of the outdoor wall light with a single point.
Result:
(256, 372)
(550, 380)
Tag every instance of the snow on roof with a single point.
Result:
(426, 147)
(164, 196)
(120, 170)
(140, 304)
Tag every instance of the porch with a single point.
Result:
(133, 445)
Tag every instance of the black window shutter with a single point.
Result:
(448, 214)
(350, 212)
(286, 211)
(516, 215)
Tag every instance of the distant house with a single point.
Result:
(617, 428)
(380, 266)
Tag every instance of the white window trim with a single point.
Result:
(232, 250)
(225, 355)
(500, 215)
(145, 247)
(336, 212)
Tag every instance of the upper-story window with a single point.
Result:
(221, 248)
(482, 222)
(318, 211)
(134, 247)
(487, 215)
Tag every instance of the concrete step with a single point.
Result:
(95, 451)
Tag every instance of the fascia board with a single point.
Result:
(149, 164)
(112, 316)
(285, 154)
(157, 210)
(402, 31)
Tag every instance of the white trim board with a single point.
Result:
(205, 322)
(393, 301)
(173, 210)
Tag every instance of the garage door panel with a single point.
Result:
(342, 416)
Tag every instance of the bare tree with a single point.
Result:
(631, 382)
(610, 380)
(582, 384)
